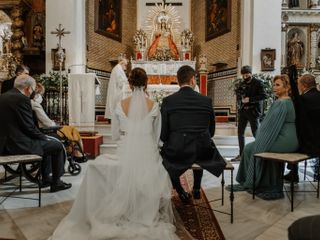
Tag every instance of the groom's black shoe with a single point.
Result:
(196, 193)
(185, 197)
(59, 186)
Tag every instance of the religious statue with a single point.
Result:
(295, 50)
(140, 40)
(6, 42)
(186, 39)
(163, 46)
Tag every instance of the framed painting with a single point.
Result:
(107, 18)
(267, 59)
(218, 18)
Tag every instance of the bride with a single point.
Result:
(130, 197)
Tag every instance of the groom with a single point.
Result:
(187, 128)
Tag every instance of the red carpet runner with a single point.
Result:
(199, 221)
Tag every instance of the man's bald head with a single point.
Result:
(25, 84)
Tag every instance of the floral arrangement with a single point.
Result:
(52, 80)
(158, 96)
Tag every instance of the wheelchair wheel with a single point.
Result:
(74, 169)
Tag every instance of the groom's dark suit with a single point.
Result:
(187, 128)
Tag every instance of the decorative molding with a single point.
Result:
(230, 72)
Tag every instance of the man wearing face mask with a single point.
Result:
(251, 97)
(19, 135)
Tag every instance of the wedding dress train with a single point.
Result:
(130, 197)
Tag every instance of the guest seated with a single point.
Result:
(44, 121)
(308, 118)
(19, 134)
(277, 133)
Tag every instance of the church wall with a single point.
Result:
(101, 49)
(223, 48)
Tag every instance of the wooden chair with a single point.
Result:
(21, 160)
(228, 167)
(292, 158)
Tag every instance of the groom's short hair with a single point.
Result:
(184, 74)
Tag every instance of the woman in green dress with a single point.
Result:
(277, 133)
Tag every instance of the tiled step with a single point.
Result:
(102, 128)
(108, 148)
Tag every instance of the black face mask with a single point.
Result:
(247, 79)
(32, 94)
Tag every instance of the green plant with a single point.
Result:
(52, 80)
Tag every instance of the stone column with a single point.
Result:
(72, 17)
(314, 45)
(284, 28)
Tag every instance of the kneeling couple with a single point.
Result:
(130, 197)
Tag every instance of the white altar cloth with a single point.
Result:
(82, 100)
(158, 91)
(168, 68)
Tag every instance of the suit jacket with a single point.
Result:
(18, 133)
(308, 122)
(188, 125)
(7, 85)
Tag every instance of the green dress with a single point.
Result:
(277, 133)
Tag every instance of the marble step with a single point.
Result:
(225, 150)
(222, 129)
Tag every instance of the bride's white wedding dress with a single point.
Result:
(128, 197)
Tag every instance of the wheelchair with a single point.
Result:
(31, 171)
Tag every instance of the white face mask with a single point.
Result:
(38, 99)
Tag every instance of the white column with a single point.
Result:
(246, 32)
(284, 45)
(71, 14)
(314, 45)
(259, 30)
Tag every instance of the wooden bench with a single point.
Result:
(292, 158)
(228, 167)
(22, 159)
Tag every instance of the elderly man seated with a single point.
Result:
(19, 135)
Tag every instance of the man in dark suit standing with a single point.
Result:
(251, 95)
(307, 121)
(19, 135)
(188, 125)
(8, 84)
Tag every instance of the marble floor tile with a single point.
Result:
(253, 219)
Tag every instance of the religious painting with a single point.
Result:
(108, 18)
(267, 59)
(218, 18)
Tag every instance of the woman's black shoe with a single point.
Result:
(196, 193)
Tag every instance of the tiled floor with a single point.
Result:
(253, 219)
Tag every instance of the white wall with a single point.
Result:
(184, 12)
(71, 14)
(264, 30)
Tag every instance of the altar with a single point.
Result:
(162, 72)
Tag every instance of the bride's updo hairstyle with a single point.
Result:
(138, 78)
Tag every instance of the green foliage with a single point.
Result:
(52, 80)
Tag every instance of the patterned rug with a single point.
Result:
(197, 217)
